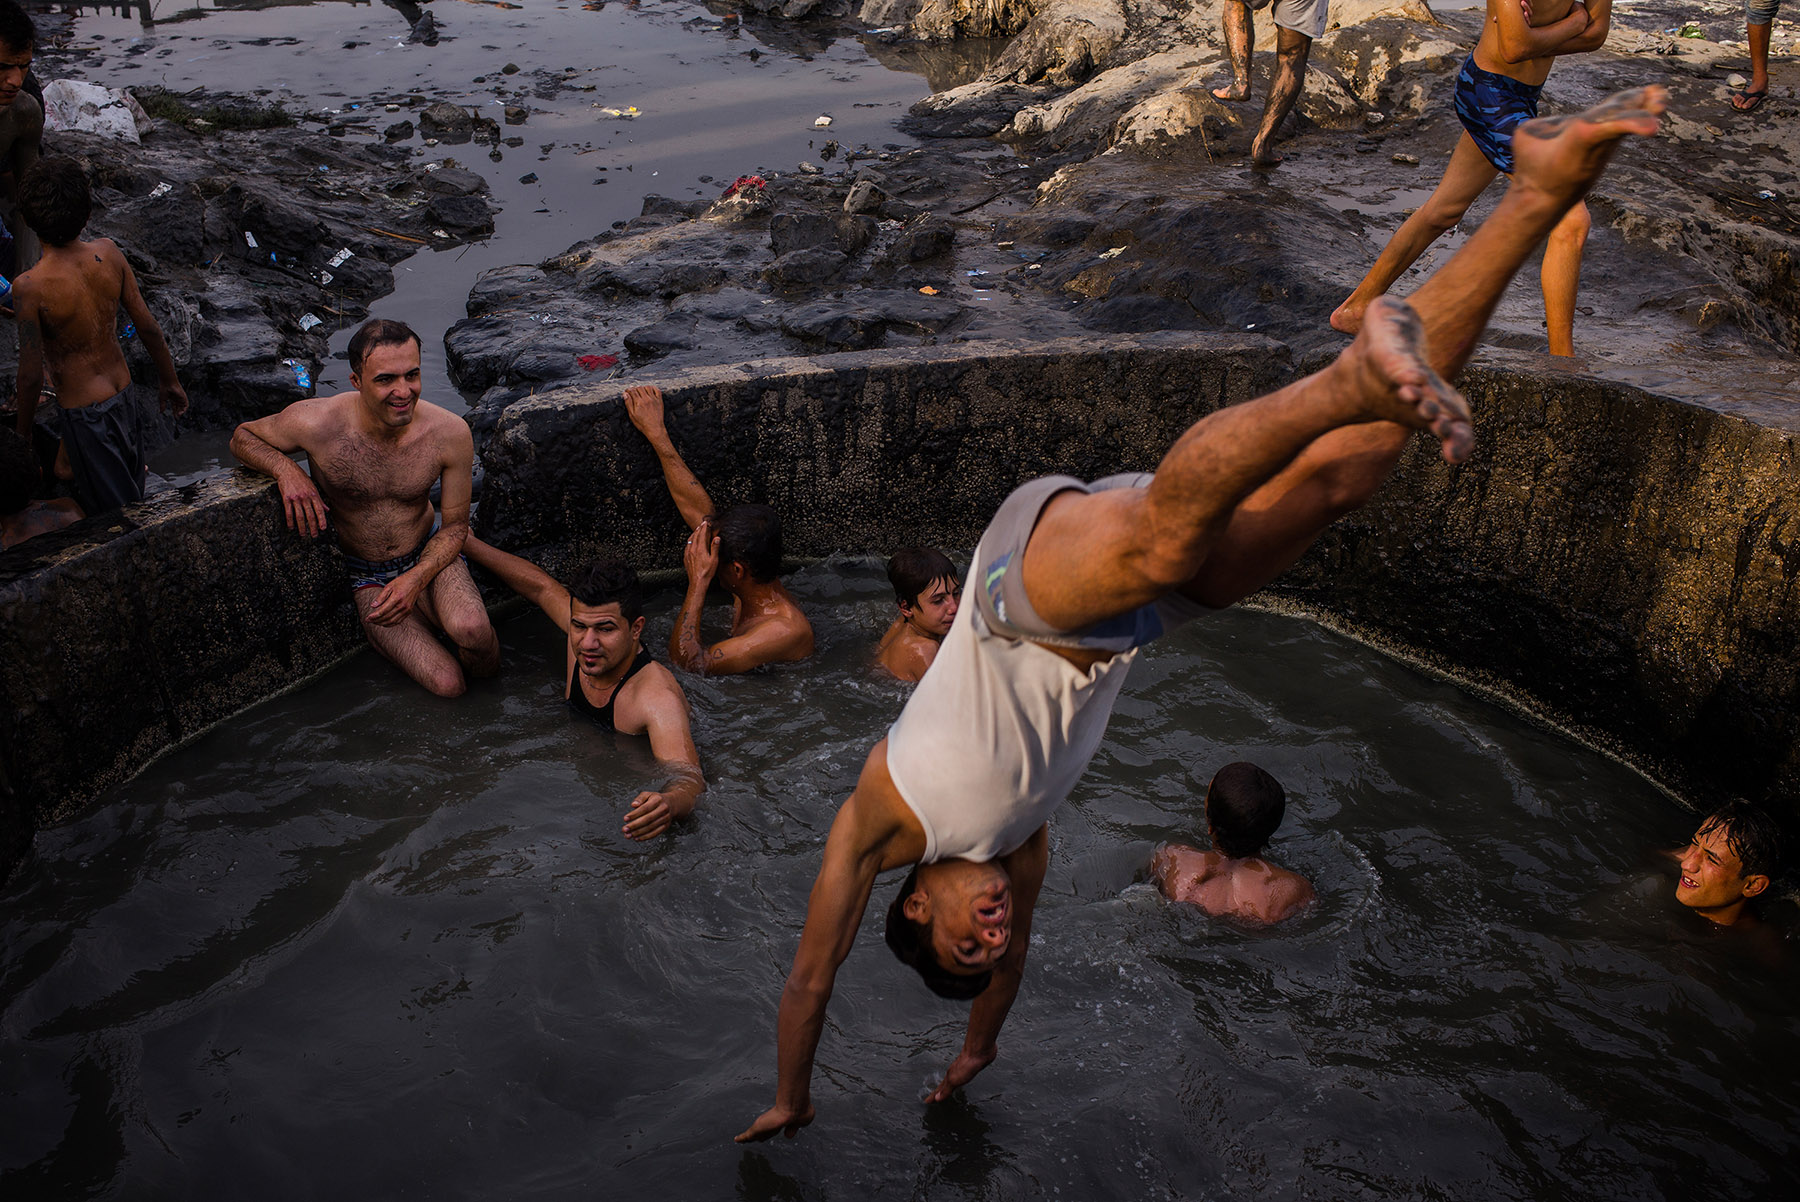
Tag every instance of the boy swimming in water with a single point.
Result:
(1497, 90)
(928, 594)
(1244, 805)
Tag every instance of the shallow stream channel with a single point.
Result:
(362, 943)
(625, 100)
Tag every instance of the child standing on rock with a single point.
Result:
(67, 310)
(1497, 91)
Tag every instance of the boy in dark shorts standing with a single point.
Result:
(67, 308)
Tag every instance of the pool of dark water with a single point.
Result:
(359, 942)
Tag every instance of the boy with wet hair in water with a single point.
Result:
(1737, 853)
(610, 678)
(1244, 806)
(68, 312)
(928, 592)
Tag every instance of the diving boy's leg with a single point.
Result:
(1094, 556)
(1561, 277)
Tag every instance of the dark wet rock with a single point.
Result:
(668, 206)
(676, 332)
(469, 216)
(863, 197)
(399, 131)
(842, 232)
(806, 267)
(447, 121)
(725, 304)
(926, 238)
(171, 228)
(516, 115)
(424, 31)
(507, 286)
(453, 181)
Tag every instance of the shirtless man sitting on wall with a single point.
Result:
(1072, 578)
(740, 549)
(928, 594)
(1244, 805)
(610, 678)
(374, 455)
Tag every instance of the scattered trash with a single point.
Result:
(628, 113)
(273, 259)
(1003, 245)
(1034, 267)
(302, 376)
(928, 290)
(1765, 194)
(596, 362)
(342, 257)
(309, 320)
(440, 233)
(1734, 80)
(977, 271)
(1410, 160)
(530, 177)
(1114, 253)
(1374, 118)
(1251, 326)
(430, 142)
(161, 190)
(807, 168)
(323, 276)
(393, 108)
(250, 239)
(821, 122)
(1691, 30)
(130, 328)
(745, 183)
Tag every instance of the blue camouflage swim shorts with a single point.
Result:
(1491, 107)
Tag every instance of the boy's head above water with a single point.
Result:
(1244, 805)
(1734, 857)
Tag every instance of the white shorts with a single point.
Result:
(1307, 17)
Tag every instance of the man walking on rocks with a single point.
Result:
(1297, 23)
(374, 454)
(1071, 579)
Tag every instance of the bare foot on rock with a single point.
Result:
(1387, 368)
(1561, 157)
(1347, 318)
(1235, 91)
(1263, 156)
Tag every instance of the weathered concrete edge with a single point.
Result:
(1669, 522)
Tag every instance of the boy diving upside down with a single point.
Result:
(1071, 579)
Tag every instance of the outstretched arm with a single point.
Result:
(981, 1044)
(865, 838)
(672, 742)
(264, 445)
(644, 406)
(522, 577)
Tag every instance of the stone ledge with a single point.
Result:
(1622, 562)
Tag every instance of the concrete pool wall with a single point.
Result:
(1623, 562)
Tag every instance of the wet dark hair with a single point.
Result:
(911, 944)
(607, 580)
(18, 472)
(750, 535)
(379, 331)
(1754, 835)
(16, 30)
(1244, 806)
(54, 199)
(912, 570)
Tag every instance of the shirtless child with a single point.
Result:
(1497, 90)
(928, 593)
(609, 678)
(1072, 579)
(740, 549)
(1737, 853)
(374, 455)
(1244, 805)
(68, 312)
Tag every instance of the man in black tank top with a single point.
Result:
(609, 677)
